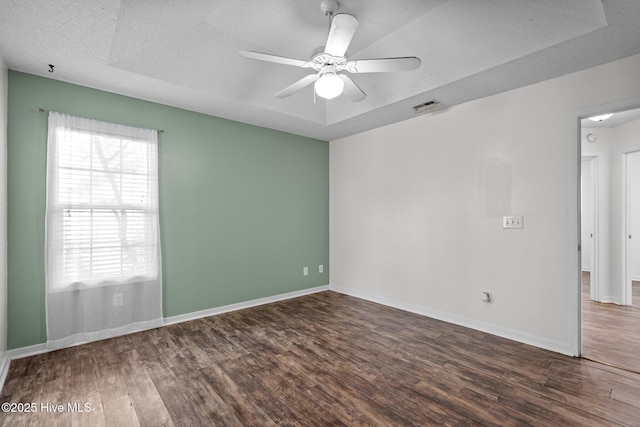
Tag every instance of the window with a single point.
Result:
(102, 204)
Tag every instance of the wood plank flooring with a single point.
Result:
(610, 332)
(322, 359)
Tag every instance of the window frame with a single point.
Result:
(100, 134)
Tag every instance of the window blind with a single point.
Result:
(102, 207)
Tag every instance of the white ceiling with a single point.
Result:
(185, 52)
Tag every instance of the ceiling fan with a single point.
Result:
(330, 60)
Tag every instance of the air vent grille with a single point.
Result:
(427, 106)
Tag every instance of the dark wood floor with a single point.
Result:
(322, 359)
(610, 332)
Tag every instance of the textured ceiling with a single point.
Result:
(185, 53)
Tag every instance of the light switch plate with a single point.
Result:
(512, 222)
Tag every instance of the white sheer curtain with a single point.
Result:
(102, 243)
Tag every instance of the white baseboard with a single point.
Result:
(242, 305)
(44, 347)
(5, 361)
(610, 300)
(511, 334)
(635, 278)
(32, 350)
(586, 269)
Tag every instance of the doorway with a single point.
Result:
(610, 256)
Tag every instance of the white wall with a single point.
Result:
(4, 364)
(416, 208)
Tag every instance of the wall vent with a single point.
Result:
(427, 106)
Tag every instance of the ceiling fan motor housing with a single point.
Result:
(322, 60)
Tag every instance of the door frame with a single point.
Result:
(574, 159)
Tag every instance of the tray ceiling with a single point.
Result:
(185, 53)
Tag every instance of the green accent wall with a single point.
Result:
(242, 208)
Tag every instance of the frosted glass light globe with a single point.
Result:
(329, 86)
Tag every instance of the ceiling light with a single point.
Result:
(600, 118)
(329, 85)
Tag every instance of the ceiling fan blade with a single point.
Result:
(351, 90)
(381, 65)
(300, 84)
(343, 27)
(274, 58)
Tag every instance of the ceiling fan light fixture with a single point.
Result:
(331, 59)
(329, 86)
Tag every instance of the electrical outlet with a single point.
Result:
(117, 299)
(321, 268)
(305, 271)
